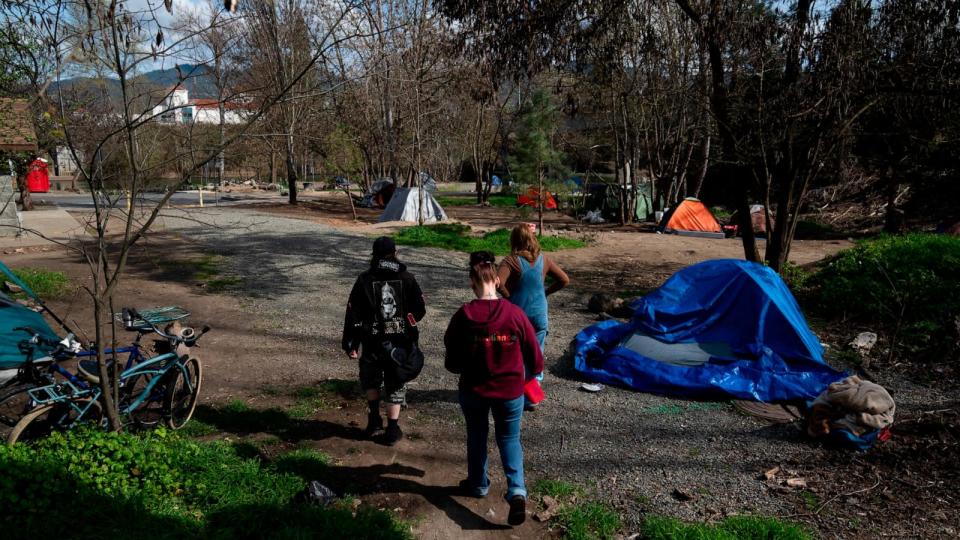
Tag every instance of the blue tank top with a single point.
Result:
(529, 293)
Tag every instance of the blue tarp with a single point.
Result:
(13, 315)
(743, 308)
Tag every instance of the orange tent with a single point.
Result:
(690, 215)
(531, 197)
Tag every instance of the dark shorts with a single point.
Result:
(373, 376)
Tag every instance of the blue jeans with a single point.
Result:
(506, 423)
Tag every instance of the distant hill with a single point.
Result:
(197, 81)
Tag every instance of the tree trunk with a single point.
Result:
(893, 218)
(703, 169)
(291, 170)
(540, 200)
(106, 386)
(26, 200)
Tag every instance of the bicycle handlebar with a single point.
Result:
(188, 336)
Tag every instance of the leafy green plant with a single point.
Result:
(93, 484)
(456, 237)
(46, 283)
(731, 528)
(908, 285)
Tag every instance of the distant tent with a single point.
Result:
(405, 202)
(532, 196)
(495, 181)
(381, 192)
(691, 218)
(428, 182)
(574, 184)
(717, 329)
(605, 198)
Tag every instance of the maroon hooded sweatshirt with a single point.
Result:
(492, 345)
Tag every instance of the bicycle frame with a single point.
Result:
(52, 394)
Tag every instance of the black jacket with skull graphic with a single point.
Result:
(385, 305)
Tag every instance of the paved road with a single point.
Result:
(83, 201)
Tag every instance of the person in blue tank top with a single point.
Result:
(522, 277)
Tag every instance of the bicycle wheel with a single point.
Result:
(152, 409)
(15, 403)
(183, 389)
(46, 419)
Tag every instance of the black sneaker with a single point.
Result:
(374, 424)
(392, 435)
(466, 489)
(518, 510)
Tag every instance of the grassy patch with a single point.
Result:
(309, 401)
(674, 408)
(578, 519)
(496, 199)
(558, 489)
(159, 485)
(197, 428)
(457, 237)
(589, 521)
(906, 286)
(731, 528)
(46, 283)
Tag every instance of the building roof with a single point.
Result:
(16, 126)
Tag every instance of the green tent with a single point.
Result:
(606, 199)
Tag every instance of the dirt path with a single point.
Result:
(277, 332)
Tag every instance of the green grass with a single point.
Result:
(576, 518)
(457, 237)
(558, 489)
(159, 485)
(496, 199)
(589, 521)
(46, 283)
(731, 528)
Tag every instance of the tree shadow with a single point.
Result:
(442, 395)
(274, 422)
(383, 478)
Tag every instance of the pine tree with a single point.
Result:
(534, 159)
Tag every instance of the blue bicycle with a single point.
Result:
(164, 387)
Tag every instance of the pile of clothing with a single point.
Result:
(852, 413)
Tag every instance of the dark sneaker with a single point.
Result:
(529, 407)
(392, 435)
(374, 424)
(518, 510)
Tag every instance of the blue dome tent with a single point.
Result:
(718, 329)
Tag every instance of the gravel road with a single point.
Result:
(635, 449)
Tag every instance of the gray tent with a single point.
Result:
(405, 202)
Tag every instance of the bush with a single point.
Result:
(457, 237)
(89, 484)
(909, 285)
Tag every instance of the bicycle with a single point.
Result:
(163, 387)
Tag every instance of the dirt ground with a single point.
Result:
(276, 334)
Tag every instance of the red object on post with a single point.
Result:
(38, 179)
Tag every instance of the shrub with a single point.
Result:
(909, 285)
(93, 484)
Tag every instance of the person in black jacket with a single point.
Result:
(382, 314)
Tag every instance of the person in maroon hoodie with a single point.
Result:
(492, 345)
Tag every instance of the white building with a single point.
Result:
(178, 108)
